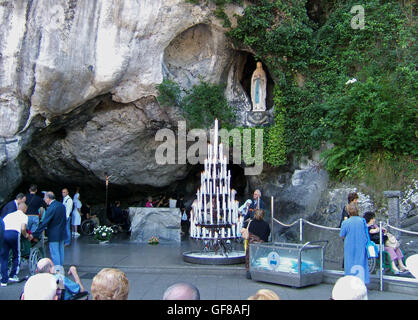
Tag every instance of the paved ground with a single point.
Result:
(151, 269)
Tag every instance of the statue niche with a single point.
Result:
(259, 114)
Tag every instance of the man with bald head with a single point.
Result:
(15, 223)
(71, 287)
(181, 291)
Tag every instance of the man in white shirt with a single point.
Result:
(68, 203)
(15, 223)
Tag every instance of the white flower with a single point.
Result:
(351, 81)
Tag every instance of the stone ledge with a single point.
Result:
(392, 194)
(390, 283)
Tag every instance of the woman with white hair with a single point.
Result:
(256, 203)
(41, 286)
(349, 288)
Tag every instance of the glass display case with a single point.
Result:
(296, 265)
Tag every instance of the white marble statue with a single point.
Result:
(258, 88)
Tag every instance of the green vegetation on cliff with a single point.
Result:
(376, 113)
(353, 88)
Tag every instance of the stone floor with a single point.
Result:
(151, 269)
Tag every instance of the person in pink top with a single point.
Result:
(149, 203)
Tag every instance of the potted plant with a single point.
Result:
(103, 233)
(153, 240)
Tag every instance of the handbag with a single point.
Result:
(371, 247)
(392, 242)
(245, 233)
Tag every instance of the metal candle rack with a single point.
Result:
(214, 217)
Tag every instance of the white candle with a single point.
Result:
(216, 139)
(211, 210)
(236, 210)
(204, 206)
(209, 151)
(218, 212)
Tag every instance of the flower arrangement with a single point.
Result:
(153, 240)
(103, 233)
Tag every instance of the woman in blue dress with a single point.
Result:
(353, 231)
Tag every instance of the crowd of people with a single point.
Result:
(113, 284)
(30, 216)
(355, 232)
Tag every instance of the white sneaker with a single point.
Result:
(4, 284)
(14, 279)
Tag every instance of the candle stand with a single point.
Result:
(214, 219)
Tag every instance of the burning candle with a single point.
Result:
(205, 209)
(217, 204)
(216, 140)
(209, 151)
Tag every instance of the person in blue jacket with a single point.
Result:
(12, 205)
(55, 225)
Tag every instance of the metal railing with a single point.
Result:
(301, 221)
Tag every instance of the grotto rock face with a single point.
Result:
(58, 59)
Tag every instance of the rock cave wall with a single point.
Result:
(78, 99)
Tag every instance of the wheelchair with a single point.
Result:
(374, 263)
(87, 227)
(64, 294)
(30, 252)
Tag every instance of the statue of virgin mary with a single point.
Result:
(258, 88)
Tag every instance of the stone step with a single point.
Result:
(390, 283)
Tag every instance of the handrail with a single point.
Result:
(323, 227)
(285, 225)
(336, 229)
(402, 230)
